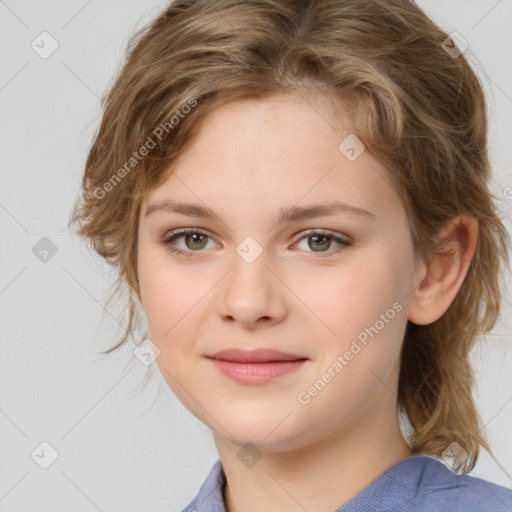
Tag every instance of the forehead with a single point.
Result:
(257, 156)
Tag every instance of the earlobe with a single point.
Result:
(441, 280)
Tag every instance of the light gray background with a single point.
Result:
(120, 449)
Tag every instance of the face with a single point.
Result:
(328, 288)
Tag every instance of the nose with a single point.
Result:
(252, 294)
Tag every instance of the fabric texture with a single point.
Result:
(417, 484)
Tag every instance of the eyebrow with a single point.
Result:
(288, 214)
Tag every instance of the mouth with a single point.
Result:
(256, 366)
(261, 355)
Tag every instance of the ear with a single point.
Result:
(441, 279)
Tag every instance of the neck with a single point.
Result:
(320, 476)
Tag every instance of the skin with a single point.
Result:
(251, 159)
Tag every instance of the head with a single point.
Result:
(245, 109)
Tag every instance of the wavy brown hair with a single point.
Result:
(417, 108)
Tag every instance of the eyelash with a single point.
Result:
(167, 241)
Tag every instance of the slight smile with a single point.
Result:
(256, 366)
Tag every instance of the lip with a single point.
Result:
(260, 355)
(256, 366)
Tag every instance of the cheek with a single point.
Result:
(351, 297)
(360, 362)
(176, 298)
(172, 299)
(363, 307)
(164, 293)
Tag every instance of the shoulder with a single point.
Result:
(210, 495)
(440, 489)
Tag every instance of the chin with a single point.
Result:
(263, 435)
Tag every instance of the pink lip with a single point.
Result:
(260, 355)
(255, 366)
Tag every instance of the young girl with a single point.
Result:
(296, 193)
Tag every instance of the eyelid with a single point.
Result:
(185, 231)
(326, 232)
(303, 233)
(343, 240)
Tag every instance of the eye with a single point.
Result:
(320, 239)
(195, 240)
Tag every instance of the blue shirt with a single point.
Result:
(419, 483)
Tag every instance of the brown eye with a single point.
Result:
(195, 241)
(320, 242)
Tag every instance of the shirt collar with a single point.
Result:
(398, 484)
